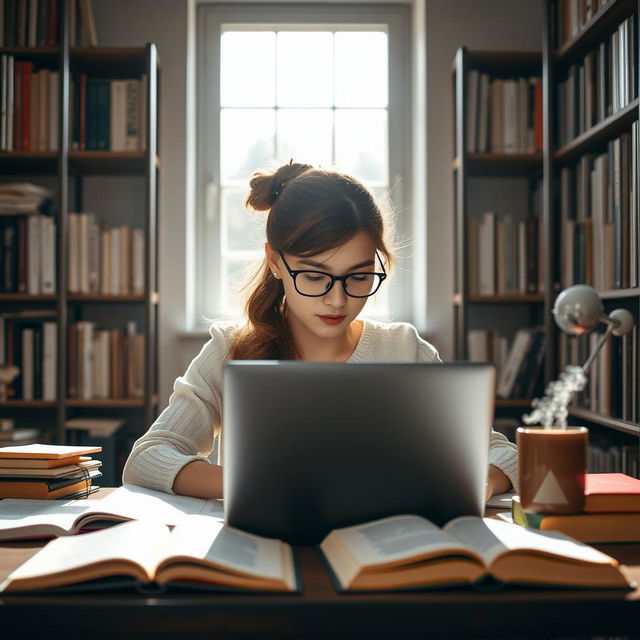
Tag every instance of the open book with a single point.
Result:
(408, 552)
(24, 519)
(199, 553)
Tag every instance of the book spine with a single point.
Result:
(34, 249)
(49, 365)
(38, 354)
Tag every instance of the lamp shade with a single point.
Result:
(578, 309)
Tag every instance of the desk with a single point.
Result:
(320, 612)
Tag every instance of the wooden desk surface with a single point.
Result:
(320, 612)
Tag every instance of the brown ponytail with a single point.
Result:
(310, 211)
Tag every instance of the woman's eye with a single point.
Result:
(311, 278)
(361, 278)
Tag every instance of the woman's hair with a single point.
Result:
(310, 212)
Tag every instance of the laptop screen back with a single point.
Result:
(309, 447)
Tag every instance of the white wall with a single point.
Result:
(477, 24)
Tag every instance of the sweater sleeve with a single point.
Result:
(184, 431)
(502, 453)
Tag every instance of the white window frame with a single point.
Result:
(396, 20)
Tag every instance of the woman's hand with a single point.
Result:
(497, 482)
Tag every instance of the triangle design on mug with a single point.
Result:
(550, 491)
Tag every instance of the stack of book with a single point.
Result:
(611, 512)
(48, 472)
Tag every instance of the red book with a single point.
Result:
(25, 116)
(52, 23)
(17, 107)
(611, 492)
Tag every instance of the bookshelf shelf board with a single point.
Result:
(620, 293)
(31, 162)
(509, 298)
(28, 404)
(108, 62)
(605, 130)
(504, 63)
(26, 297)
(46, 55)
(108, 162)
(605, 21)
(514, 403)
(606, 421)
(501, 164)
(82, 297)
(107, 403)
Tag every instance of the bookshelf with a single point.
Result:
(591, 79)
(490, 158)
(68, 171)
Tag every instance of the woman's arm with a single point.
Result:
(497, 482)
(200, 480)
(184, 432)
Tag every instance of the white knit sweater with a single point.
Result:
(186, 429)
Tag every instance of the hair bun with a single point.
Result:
(266, 187)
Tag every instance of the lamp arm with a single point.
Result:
(611, 325)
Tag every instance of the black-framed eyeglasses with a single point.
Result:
(314, 284)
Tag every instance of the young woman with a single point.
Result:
(325, 255)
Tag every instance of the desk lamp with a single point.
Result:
(577, 310)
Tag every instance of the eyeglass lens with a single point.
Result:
(316, 284)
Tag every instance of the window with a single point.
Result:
(321, 86)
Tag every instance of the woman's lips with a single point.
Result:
(332, 319)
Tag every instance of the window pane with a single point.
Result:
(247, 141)
(243, 228)
(361, 69)
(361, 144)
(243, 81)
(306, 135)
(305, 69)
(234, 275)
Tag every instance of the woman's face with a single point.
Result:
(329, 315)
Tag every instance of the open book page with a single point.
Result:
(131, 502)
(206, 540)
(493, 538)
(392, 540)
(22, 518)
(74, 559)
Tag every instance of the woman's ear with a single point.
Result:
(273, 260)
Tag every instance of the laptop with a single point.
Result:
(312, 446)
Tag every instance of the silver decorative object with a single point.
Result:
(577, 311)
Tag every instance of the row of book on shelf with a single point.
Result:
(36, 23)
(612, 384)
(187, 545)
(102, 363)
(606, 457)
(518, 362)
(599, 213)
(599, 86)
(572, 16)
(504, 115)
(104, 260)
(504, 254)
(106, 115)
